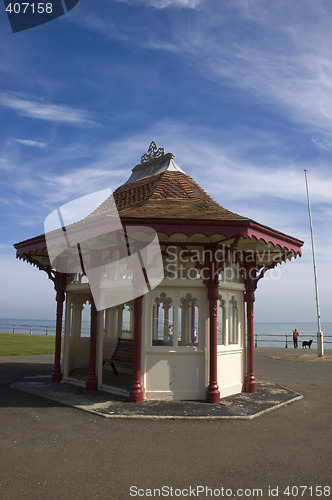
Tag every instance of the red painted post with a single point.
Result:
(136, 391)
(213, 393)
(250, 283)
(60, 283)
(92, 381)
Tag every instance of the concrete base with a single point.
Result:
(240, 406)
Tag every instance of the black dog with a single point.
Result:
(306, 343)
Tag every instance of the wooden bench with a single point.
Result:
(123, 355)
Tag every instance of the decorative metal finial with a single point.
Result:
(154, 153)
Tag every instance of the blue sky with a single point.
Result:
(239, 91)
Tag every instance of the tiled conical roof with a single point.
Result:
(159, 188)
(169, 195)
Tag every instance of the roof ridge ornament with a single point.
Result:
(154, 153)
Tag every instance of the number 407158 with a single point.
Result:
(300, 491)
(29, 8)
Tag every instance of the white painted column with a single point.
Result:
(67, 334)
(100, 339)
(226, 323)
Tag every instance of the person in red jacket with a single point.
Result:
(295, 337)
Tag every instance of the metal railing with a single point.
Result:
(30, 329)
(286, 339)
(261, 339)
(27, 329)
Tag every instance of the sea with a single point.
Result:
(266, 334)
(35, 326)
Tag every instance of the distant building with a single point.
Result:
(187, 338)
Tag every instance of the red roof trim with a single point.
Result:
(30, 246)
(244, 228)
(269, 235)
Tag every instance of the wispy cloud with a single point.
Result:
(226, 166)
(281, 55)
(162, 4)
(325, 145)
(284, 63)
(31, 143)
(59, 175)
(46, 111)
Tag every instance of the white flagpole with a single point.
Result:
(320, 340)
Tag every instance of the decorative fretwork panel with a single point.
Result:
(119, 321)
(188, 321)
(175, 321)
(162, 321)
(221, 338)
(233, 322)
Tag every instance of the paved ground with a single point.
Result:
(51, 451)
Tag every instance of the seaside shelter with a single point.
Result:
(188, 335)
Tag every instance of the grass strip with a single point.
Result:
(20, 344)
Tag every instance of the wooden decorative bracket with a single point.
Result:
(47, 269)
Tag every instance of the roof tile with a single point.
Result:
(169, 195)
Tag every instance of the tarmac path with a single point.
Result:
(50, 451)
